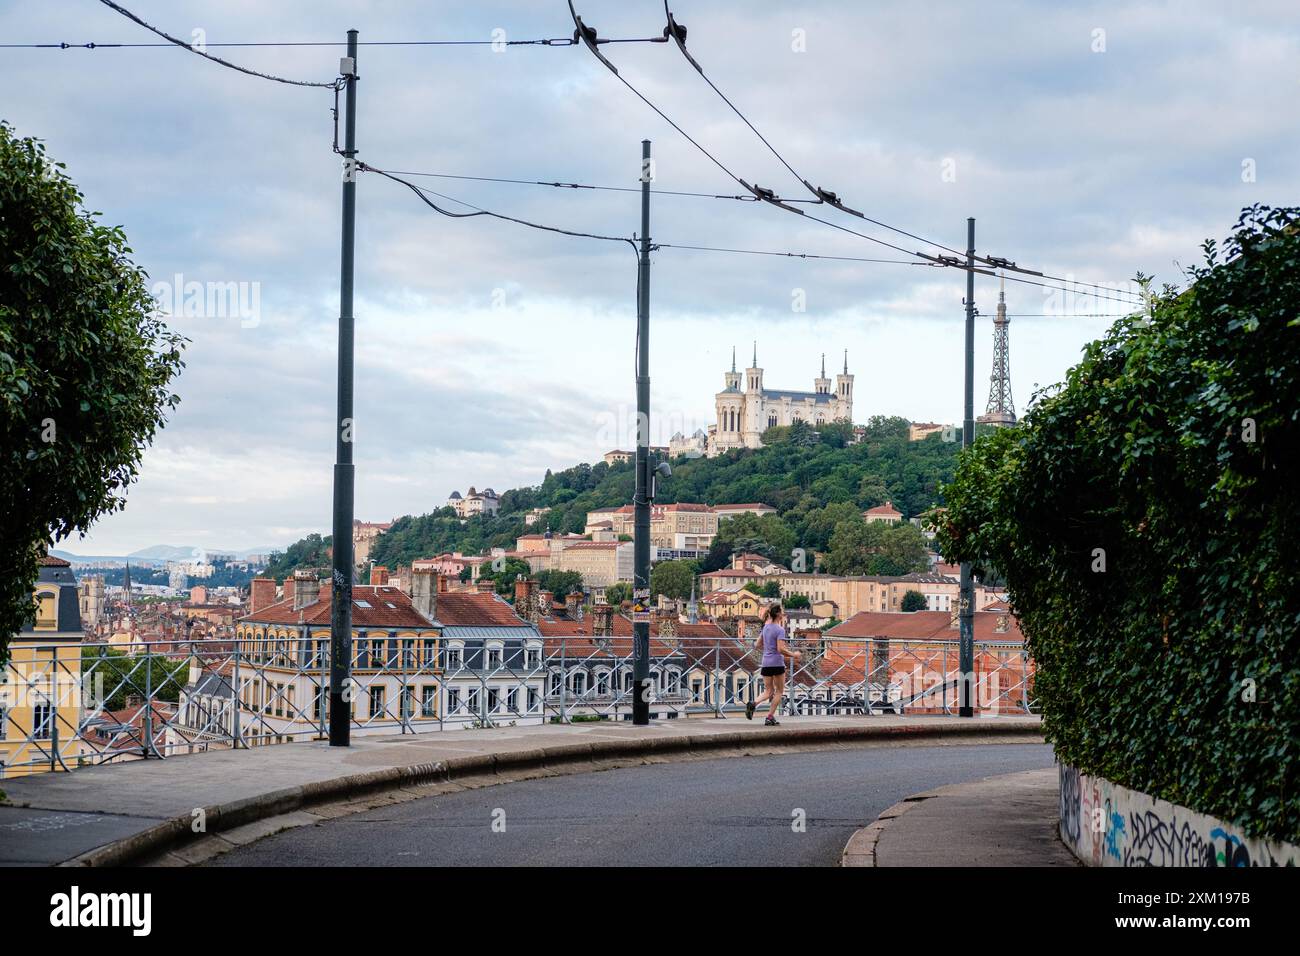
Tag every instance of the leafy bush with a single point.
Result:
(1143, 515)
(86, 368)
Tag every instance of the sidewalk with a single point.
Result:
(123, 813)
(1009, 820)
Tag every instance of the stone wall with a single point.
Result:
(1104, 824)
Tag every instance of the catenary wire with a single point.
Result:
(332, 84)
(424, 194)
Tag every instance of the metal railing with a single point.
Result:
(76, 704)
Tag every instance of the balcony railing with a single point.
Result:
(68, 705)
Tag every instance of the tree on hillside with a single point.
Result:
(313, 551)
(86, 368)
(560, 583)
(672, 579)
(503, 580)
(913, 601)
(618, 592)
(861, 547)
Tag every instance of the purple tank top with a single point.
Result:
(772, 633)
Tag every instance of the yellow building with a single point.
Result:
(41, 694)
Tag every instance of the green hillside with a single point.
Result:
(813, 478)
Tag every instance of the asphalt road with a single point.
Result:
(729, 811)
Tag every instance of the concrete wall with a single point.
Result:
(1104, 824)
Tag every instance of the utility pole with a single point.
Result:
(340, 709)
(641, 499)
(966, 603)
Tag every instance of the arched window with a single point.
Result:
(771, 420)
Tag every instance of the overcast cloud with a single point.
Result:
(487, 352)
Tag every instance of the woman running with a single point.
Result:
(775, 653)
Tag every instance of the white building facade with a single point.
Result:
(746, 407)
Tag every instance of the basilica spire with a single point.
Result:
(846, 361)
(755, 365)
(733, 358)
(823, 365)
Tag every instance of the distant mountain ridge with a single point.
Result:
(159, 553)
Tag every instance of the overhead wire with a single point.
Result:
(332, 84)
(678, 33)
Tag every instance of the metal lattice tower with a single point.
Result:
(1001, 410)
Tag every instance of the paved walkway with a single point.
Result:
(120, 813)
(1009, 820)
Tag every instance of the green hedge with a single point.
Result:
(1170, 453)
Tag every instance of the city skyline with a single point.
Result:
(488, 353)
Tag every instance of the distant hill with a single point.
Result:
(158, 554)
(800, 472)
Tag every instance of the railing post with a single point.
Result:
(237, 701)
(713, 675)
(147, 743)
(564, 684)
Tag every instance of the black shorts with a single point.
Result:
(772, 671)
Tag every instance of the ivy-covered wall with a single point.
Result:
(1145, 515)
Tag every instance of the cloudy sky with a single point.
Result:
(1089, 142)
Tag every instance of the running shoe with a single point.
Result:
(749, 710)
(771, 722)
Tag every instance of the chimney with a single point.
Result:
(378, 575)
(521, 595)
(286, 592)
(668, 625)
(261, 594)
(424, 592)
(306, 589)
(443, 585)
(573, 604)
(602, 620)
(545, 601)
(485, 585)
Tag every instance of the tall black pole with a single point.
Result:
(641, 500)
(340, 710)
(966, 603)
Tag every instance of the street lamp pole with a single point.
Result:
(966, 603)
(340, 710)
(641, 498)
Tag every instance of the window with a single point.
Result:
(471, 700)
(494, 656)
(408, 703)
(47, 611)
(376, 701)
(42, 720)
(408, 654)
(493, 700)
(579, 682)
(533, 657)
(318, 710)
(532, 705)
(453, 700)
(429, 701)
(452, 658)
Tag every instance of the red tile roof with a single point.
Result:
(886, 509)
(475, 609)
(924, 625)
(388, 607)
(50, 561)
(752, 504)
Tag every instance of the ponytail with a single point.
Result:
(771, 613)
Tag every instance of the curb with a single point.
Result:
(172, 834)
(861, 848)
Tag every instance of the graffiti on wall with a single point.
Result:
(1105, 824)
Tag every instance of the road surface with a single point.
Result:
(728, 811)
